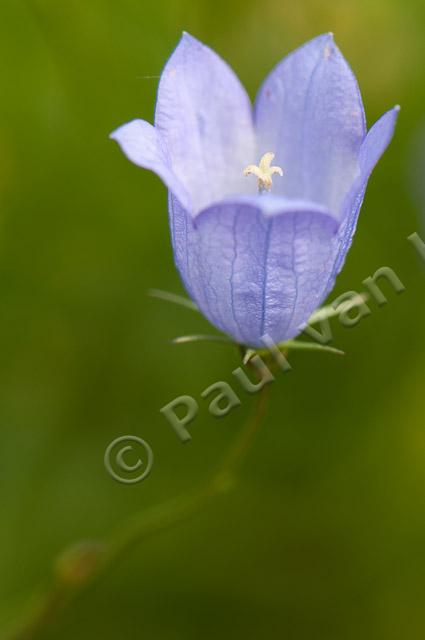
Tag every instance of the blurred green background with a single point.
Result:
(324, 536)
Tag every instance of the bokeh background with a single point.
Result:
(324, 535)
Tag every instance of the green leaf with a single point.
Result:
(202, 338)
(323, 313)
(249, 353)
(174, 298)
(308, 346)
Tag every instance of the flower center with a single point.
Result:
(263, 171)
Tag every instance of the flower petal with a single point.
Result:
(310, 113)
(142, 144)
(374, 145)
(377, 140)
(255, 266)
(205, 118)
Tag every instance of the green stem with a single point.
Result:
(79, 566)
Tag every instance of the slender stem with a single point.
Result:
(79, 566)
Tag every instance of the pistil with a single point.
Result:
(264, 172)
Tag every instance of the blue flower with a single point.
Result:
(259, 246)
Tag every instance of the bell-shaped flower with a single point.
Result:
(259, 245)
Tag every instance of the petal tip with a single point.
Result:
(329, 46)
(187, 38)
(117, 133)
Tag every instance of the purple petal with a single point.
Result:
(377, 140)
(310, 113)
(205, 118)
(143, 145)
(257, 266)
(374, 145)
